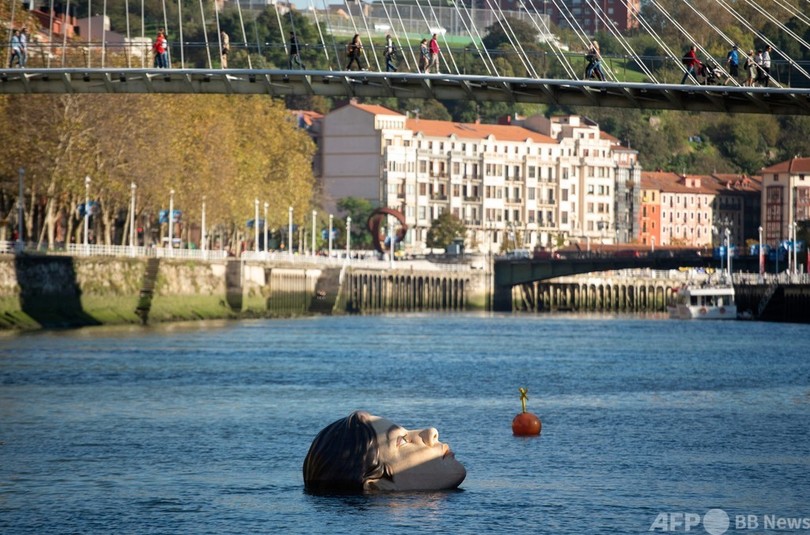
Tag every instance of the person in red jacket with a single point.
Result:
(433, 46)
(161, 47)
(692, 64)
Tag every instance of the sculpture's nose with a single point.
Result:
(430, 436)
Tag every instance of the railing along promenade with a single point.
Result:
(358, 259)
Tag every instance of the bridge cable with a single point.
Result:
(407, 37)
(370, 38)
(332, 35)
(219, 30)
(685, 33)
(513, 40)
(244, 33)
(623, 42)
(89, 34)
(103, 37)
(477, 39)
(129, 36)
(475, 42)
(720, 32)
(205, 33)
(779, 24)
(50, 35)
(546, 31)
(11, 30)
(657, 38)
(797, 14)
(166, 30)
(626, 45)
(64, 36)
(424, 18)
(444, 41)
(500, 23)
(320, 33)
(396, 34)
(762, 36)
(144, 53)
(180, 33)
(572, 21)
(280, 27)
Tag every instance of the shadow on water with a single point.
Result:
(49, 291)
(358, 502)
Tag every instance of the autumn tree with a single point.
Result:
(444, 229)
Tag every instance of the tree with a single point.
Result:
(359, 210)
(444, 229)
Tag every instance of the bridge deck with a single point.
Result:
(780, 101)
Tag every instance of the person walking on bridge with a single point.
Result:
(160, 48)
(692, 64)
(295, 52)
(733, 63)
(355, 51)
(15, 49)
(434, 54)
(594, 58)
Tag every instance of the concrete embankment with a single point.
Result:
(62, 291)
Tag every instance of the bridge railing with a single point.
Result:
(469, 59)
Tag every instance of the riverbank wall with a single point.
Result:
(64, 291)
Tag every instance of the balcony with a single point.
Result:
(476, 198)
(438, 197)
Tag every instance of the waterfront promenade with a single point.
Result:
(69, 290)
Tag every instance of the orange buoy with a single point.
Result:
(526, 424)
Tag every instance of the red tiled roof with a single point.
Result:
(669, 182)
(476, 131)
(375, 109)
(792, 166)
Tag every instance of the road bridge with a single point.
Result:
(513, 272)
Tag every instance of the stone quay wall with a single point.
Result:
(63, 291)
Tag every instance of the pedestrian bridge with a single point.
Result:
(345, 84)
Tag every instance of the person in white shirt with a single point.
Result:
(765, 75)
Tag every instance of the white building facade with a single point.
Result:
(539, 183)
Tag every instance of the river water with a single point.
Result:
(203, 427)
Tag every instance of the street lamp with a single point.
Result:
(728, 252)
(266, 206)
(348, 237)
(314, 213)
(133, 187)
(795, 252)
(86, 210)
(171, 223)
(761, 254)
(391, 241)
(331, 217)
(652, 244)
(256, 226)
(289, 232)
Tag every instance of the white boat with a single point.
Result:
(704, 302)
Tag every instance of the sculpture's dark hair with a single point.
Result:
(343, 456)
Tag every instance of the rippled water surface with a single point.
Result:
(202, 428)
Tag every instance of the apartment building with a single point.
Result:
(592, 16)
(695, 210)
(538, 181)
(684, 204)
(738, 202)
(785, 198)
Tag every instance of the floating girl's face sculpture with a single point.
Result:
(363, 452)
(416, 460)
